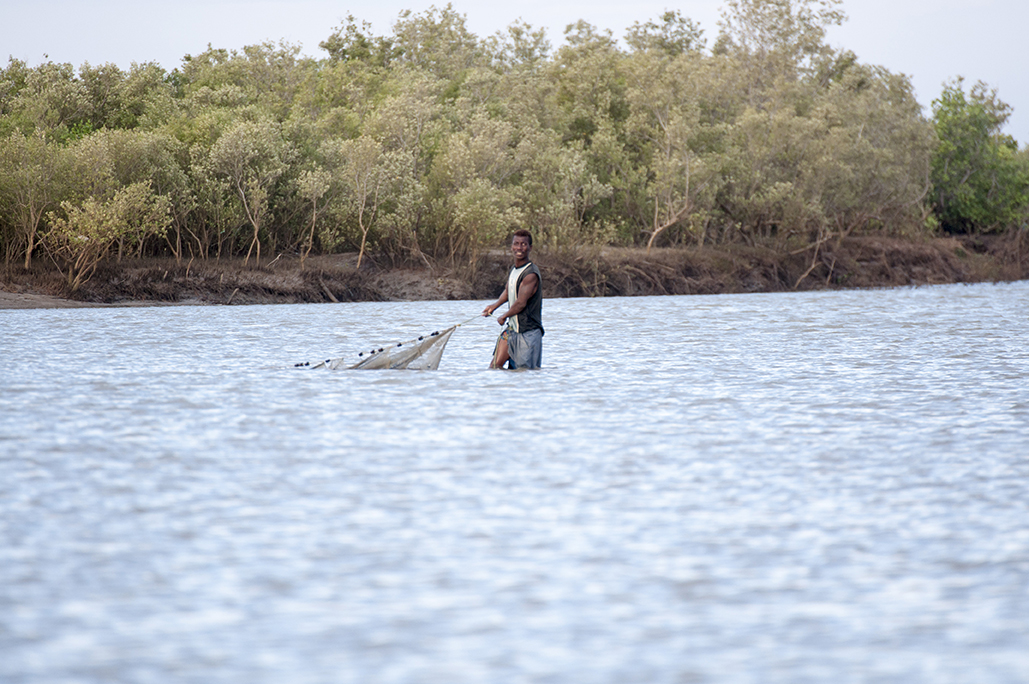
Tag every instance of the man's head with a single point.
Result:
(521, 245)
(522, 233)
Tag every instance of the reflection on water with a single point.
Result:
(735, 488)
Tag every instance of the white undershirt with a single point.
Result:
(512, 293)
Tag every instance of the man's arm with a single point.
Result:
(526, 290)
(488, 311)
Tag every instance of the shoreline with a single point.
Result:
(31, 300)
(23, 300)
(864, 262)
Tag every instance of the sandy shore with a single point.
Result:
(17, 300)
(22, 300)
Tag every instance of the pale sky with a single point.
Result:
(930, 40)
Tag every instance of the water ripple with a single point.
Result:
(737, 488)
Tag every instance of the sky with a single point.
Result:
(932, 41)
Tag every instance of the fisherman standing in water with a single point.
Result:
(521, 344)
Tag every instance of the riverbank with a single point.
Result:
(859, 262)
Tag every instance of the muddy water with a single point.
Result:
(694, 489)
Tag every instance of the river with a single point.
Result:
(757, 488)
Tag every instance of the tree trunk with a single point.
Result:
(310, 238)
(364, 233)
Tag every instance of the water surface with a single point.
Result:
(757, 488)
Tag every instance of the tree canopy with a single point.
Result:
(433, 143)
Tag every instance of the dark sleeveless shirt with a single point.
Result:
(531, 317)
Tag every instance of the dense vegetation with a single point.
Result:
(430, 143)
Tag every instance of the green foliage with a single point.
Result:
(367, 176)
(519, 47)
(429, 143)
(52, 100)
(354, 43)
(83, 234)
(436, 41)
(35, 174)
(980, 182)
(251, 156)
(783, 32)
(675, 35)
(683, 149)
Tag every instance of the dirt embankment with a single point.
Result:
(861, 262)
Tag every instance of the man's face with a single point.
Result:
(520, 247)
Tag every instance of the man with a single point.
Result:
(521, 344)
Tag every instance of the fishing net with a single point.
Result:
(423, 353)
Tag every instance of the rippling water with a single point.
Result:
(759, 488)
